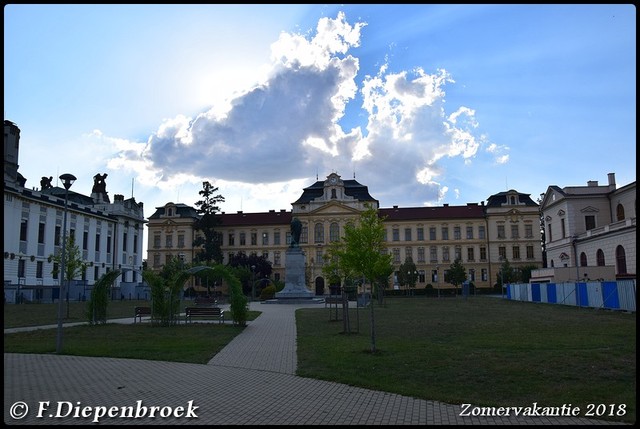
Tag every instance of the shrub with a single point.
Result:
(268, 292)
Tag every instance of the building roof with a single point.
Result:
(352, 188)
(271, 217)
(470, 211)
(499, 199)
(182, 210)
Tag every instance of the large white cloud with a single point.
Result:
(287, 127)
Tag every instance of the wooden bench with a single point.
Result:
(332, 300)
(141, 311)
(204, 312)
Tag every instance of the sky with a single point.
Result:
(424, 104)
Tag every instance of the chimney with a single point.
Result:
(612, 180)
(592, 183)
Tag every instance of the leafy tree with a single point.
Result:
(335, 272)
(74, 266)
(408, 273)
(361, 253)
(456, 274)
(525, 272)
(507, 273)
(248, 274)
(97, 305)
(211, 240)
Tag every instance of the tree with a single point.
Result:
(525, 272)
(74, 266)
(408, 273)
(456, 275)
(362, 253)
(211, 240)
(253, 268)
(507, 273)
(97, 305)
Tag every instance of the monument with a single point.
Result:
(294, 284)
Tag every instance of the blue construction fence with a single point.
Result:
(613, 295)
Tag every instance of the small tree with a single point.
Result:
(456, 275)
(74, 266)
(166, 290)
(97, 305)
(408, 273)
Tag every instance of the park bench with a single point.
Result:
(141, 311)
(332, 300)
(204, 312)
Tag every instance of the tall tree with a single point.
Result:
(251, 269)
(408, 273)
(211, 239)
(362, 253)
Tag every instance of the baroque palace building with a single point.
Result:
(109, 235)
(481, 236)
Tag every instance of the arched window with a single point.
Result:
(621, 261)
(600, 258)
(318, 233)
(583, 259)
(552, 264)
(334, 232)
(620, 212)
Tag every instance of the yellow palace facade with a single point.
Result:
(481, 235)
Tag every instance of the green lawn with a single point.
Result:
(482, 350)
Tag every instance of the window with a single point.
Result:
(396, 234)
(433, 254)
(445, 254)
(445, 233)
(407, 234)
(470, 256)
(457, 253)
(456, 233)
(621, 260)
(57, 235)
(39, 269)
(432, 233)
(396, 255)
(434, 276)
(56, 270)
(469, 233)
(515, 233)
(318, 233)
(232, 239)
(483, 253)
(254, 238)
(41, 229)
(96, 272)
(516, 252)
(408, 253)
(620, 212)
(156, 241)
(265, 238)
(288, 238)
(589, 222)
(276, 258)
(23, 230)
(243, 239)
(528, 231)
(501, 231)
(563, 230)
(21, 266)
(97, 246)
(168, 241)
(481, 234)
(276, 237)
(421, 254)
(319, 257)
(420, 234)
(180, 241)
(156, 260)
(483, 274)
(583, 259)
(600, 258)
(529, 252)
(334, 232)
(85, 240)
(549, 233)
(304, 235)
(502, 252)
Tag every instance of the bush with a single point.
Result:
(268, 292)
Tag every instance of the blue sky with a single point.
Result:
(424, 104)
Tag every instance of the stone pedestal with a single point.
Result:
(294, 286)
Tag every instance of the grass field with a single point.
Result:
(482, 350)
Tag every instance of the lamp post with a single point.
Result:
(67, 181)
(437, 281)
(253, 282)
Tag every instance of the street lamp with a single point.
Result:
(437, 281)
(67, 181)
(253, 282)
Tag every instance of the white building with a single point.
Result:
(590, 232)
(109, 235)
